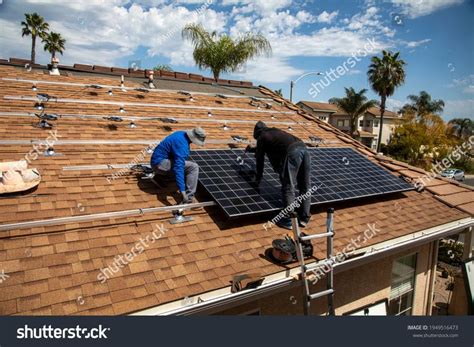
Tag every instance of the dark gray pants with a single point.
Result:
(191, 173)
(296, 172)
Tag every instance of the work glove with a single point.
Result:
(251, 149)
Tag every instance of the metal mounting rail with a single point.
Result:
(37, 82)
(98, 216)
(154, 118)
(103, 142)
(137, 104)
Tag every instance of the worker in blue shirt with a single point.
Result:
(171, 157)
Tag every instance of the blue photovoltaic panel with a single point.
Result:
(339, 173)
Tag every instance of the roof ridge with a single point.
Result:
(132, 72)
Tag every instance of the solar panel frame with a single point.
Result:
(339, 174)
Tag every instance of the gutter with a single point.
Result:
(218, 300)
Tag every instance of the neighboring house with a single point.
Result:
(368, 125)
(56, 240)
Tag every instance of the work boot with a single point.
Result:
(285, 224)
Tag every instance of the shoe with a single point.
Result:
(284, 224)
(302, 224)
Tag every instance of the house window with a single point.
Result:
(322, 118)
(403, 286)
(368, 123)
(376, 123)
(347, 123)
(361, 123)
(340, 123)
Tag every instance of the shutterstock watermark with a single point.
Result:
(139, 158)
(48, 332)
(122, 260)
(334, 74)
(445, 163)
(350, 248)
(35, 152)
(294, 205)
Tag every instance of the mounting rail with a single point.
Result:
(99, 216)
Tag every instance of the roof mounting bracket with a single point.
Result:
(179, 217)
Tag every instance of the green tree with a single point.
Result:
(385, 75)
(35, 26)
(354, 104)
(163, 67)
(463, 127)
(421, 143)
(422, 105)
(222, 53)
(54, 43)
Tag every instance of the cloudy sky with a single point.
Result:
(435, 38)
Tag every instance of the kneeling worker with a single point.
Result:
(289, 157)
(171, 157)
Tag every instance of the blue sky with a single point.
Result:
(434, 37)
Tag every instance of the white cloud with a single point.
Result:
(418, 8)
(394, 104)
(414, 44)
(466, 83)
(459, 108)
(326, 17)
(259, 6)
(269, 70)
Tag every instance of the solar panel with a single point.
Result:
(338, 173)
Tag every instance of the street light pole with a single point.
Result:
(292, 83)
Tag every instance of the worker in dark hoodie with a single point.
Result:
(290, 158)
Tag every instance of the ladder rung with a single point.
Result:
(320, 294)
(315, 236)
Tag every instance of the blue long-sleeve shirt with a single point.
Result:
(175, 147)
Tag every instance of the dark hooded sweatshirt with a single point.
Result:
(275, 143)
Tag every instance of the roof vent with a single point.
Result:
(188, 94)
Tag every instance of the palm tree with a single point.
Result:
(385, 75)
(354, 104)
(54, 43)
(462, 126)
(422, 105)
(35, 26)
(222, 53)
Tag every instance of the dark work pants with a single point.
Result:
(296, 172)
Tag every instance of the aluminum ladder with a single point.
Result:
(329, 235)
